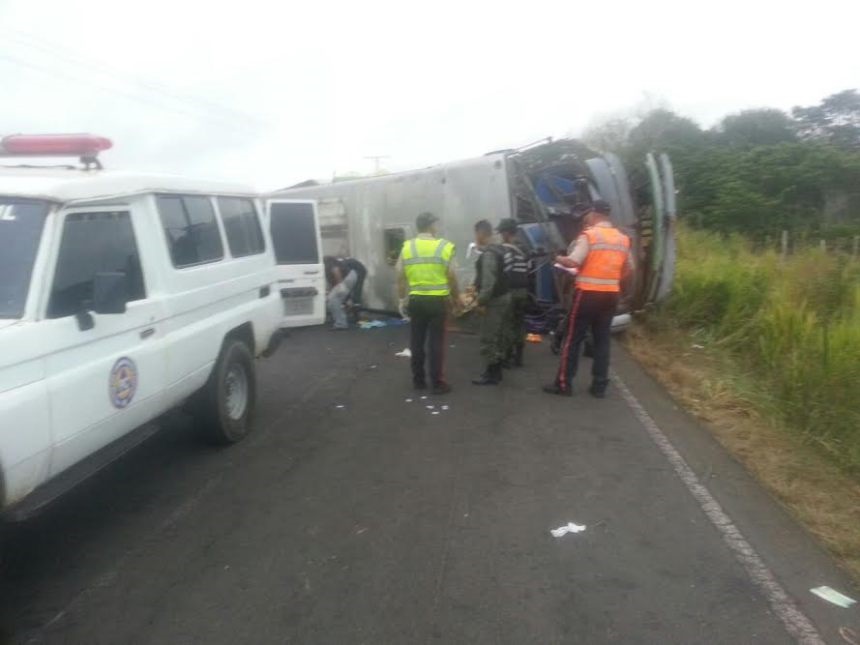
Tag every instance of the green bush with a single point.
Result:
(794, 324)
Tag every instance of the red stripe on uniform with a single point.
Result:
(442, 351)
(568, 341)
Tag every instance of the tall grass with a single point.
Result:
(793, 323)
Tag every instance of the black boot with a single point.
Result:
(518, 355)
(497, 372)
(598, 389)
(489, 377)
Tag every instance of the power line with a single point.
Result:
(229, 116)
(113, 90)
(66, 56)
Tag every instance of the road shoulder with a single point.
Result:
(796, 559)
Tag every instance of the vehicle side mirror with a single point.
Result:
(110, 293)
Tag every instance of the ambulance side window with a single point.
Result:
(94, 243)
(242, 226)
(191, 229)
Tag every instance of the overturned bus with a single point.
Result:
(547, 187)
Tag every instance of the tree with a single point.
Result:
(761, 127)
(662, 129)
(611, 135)
(836, 120)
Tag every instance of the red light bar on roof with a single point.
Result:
(53, 145)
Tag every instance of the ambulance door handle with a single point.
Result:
(146, 333)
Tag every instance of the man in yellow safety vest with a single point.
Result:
(425, 283)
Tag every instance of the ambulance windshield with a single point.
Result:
(21, 223)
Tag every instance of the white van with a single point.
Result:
(123, 296)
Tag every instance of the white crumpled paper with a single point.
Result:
(831, 595)
(569, 528)
(406, 353)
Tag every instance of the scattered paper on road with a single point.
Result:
(570, 528)
(430, 407)
(424, 398)
(831, 595)
(408, 400)
(340, 406)
(376, 324)
(435, 412)
(406, 353)
(444, 407)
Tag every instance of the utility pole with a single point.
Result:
(376, 159)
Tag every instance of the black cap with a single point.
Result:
(425, 220)
(507, 225)
(601, 206)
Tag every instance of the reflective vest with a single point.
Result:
(607, 255)
(516, 267)
(425, 262)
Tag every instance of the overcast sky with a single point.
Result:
(273, 92)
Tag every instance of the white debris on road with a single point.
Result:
(570, 528)
(831, 595)
(406, 353)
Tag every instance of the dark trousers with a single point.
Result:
(357, 290)
(592, 310)
(427, 315)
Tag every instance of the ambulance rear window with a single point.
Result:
(294, 233)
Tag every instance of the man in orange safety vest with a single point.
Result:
(603, 259)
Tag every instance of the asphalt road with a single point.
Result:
(354, 516)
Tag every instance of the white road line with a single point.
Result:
(795, 621)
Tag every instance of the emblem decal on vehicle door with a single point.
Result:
(123, 382)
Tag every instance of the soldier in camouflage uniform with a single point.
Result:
(516, 268)
(494, 302)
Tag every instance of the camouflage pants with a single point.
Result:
(515, 327)
(493, 330)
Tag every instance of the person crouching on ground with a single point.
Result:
(345, 277)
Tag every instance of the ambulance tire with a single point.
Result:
(226, 405)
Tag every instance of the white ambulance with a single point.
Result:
(123, 296)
